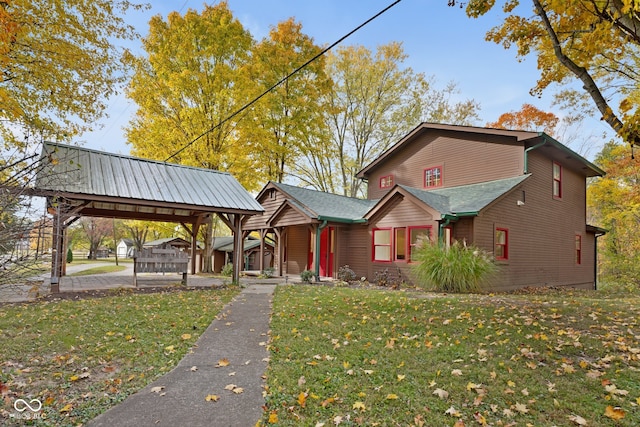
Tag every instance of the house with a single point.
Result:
(519, 195)
(168, 242)
(125, 248)
(223, 253)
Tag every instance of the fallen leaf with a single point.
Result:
(442, 394)
(230, 386)
(453, 412)
(66, 408)
(456, 372)
(238, 390)
(302, 399)
(392, 396)
(194, 368)
(185, 336)
(521, 407)
(616, 413)
(359, 405)
(273, 417)
(157, 389)
(577, 419)
(212, 398)
(222, 363)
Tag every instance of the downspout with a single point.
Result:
(526, 151)
(317, 254)
(447, 220)
(595, 262)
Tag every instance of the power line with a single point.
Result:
(249, 104)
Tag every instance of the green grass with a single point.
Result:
(100, 270)
(362, 357)
(82, 357)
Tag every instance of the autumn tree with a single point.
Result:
(290, 115)
(614, 203)
(58, 65)
(137, 231)
(528, 118)
(96, 231)
(186, 86)
(373, 102)
(592, 42)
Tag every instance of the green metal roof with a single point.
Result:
(321, 205)
(77, 170)
(466, 198)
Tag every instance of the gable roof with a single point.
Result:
(173, 241)
(325, 206)
(527, 138)
(95, 176)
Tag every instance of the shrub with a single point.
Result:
(458, 268)
(346, 274)
(267, 272)
(306, 276)
(227, 270)
(69, 256)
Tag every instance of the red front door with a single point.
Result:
(326, 252)
(327, 238)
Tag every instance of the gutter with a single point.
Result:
(448, 218)
(526, 151)
(342, 220)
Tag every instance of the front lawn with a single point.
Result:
(79, 358)
(343, 356)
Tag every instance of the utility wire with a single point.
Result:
(249, 104)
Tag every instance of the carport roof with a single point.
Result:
(113, 185)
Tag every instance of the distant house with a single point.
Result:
(223, 253)
(519, 195)
(168, 242)
(125, 248)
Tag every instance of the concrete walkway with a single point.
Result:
(239, 335)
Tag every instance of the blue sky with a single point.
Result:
(440, 41)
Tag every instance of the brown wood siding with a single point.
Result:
(270, 202)
(297, 250)
(405, 213)
(356, 243)
(541, 232)
(463, 161)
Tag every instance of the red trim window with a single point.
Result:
(578, 249)
(400, 243)
(501, 251)
(557, 180)
(433, 177)
(382, 244)
(418, 235)
(386, 181)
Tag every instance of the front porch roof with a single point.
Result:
(325, 206)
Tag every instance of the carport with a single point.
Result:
(81, 182)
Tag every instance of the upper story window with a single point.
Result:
(386, 181)
(557, 180)
(433, 177)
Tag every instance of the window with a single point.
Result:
(557, 180)
(578, 249)
(400, 243)
(433, 177)
(386, 181)
(382, 245)
(501, 251)
(418, 235)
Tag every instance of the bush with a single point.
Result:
(459, 268)
(267, 273)
(306, 276)
(346, 274)
(69, 256)
(227, 270)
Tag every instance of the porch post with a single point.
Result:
(278, 251)
(263, 233)
(238, 247)
(316, 255)
(56, 259)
